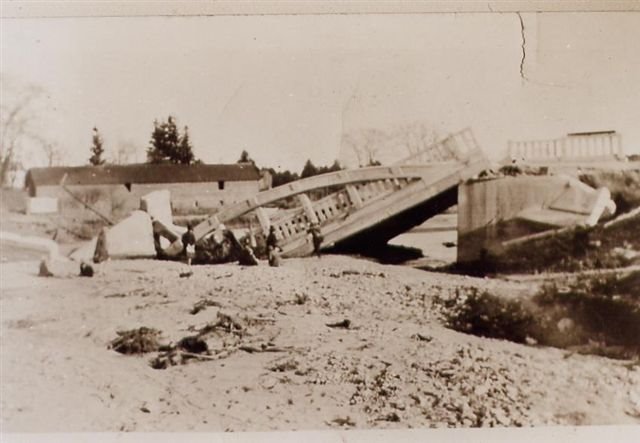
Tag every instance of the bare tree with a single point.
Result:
(125, 153)
(54, 154)
(414, 137)
(375, 146)
(366, 145)
(17, 117)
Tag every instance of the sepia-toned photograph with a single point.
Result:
(253, 217)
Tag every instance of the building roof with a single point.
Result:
(141, 174)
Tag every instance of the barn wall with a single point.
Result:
(116, 201)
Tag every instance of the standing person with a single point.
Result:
(272, 240)
(189, 244)
(316, 238)
(272, 247)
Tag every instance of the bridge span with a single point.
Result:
(364, 207)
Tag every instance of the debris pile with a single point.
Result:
(136, 341)
(218, 340)
(150, 233)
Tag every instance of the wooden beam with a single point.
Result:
(354, 196)
(308, 208)
(263, 219)
(380, 209)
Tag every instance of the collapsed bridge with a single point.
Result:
(360, 210)
(364, 207)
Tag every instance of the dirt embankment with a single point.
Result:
(593, 314)
(279, 354)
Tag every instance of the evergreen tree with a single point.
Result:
(96, 149)
(244, 158)
(309, 170)
(335, 167)
(185, 150)
(282, 178)
(167, 146)
(155, 152)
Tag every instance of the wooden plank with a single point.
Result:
(308, 208)
(354, 196)
(263, 219)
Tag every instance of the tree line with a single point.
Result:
(23, 138)
(167, 145)
(170, 145)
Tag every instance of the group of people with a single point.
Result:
(273, 250)
(272, 242)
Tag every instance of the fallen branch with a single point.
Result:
(345, 324)
(264, 348)
(194, 355)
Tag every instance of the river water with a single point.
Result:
(436, 238)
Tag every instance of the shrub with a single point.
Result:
(484, 314)
(595, 315)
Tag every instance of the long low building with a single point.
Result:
(115, 190)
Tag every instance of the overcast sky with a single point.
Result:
(286, 88)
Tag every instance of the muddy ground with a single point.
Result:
(282, 367)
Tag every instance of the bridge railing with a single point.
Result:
(389, 175)
(456, 146)
(594, 147)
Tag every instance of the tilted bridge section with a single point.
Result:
(364, 207)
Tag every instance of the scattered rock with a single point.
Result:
(421, 337)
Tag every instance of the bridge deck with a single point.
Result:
(367, 200)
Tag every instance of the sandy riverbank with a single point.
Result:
(395, 367)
